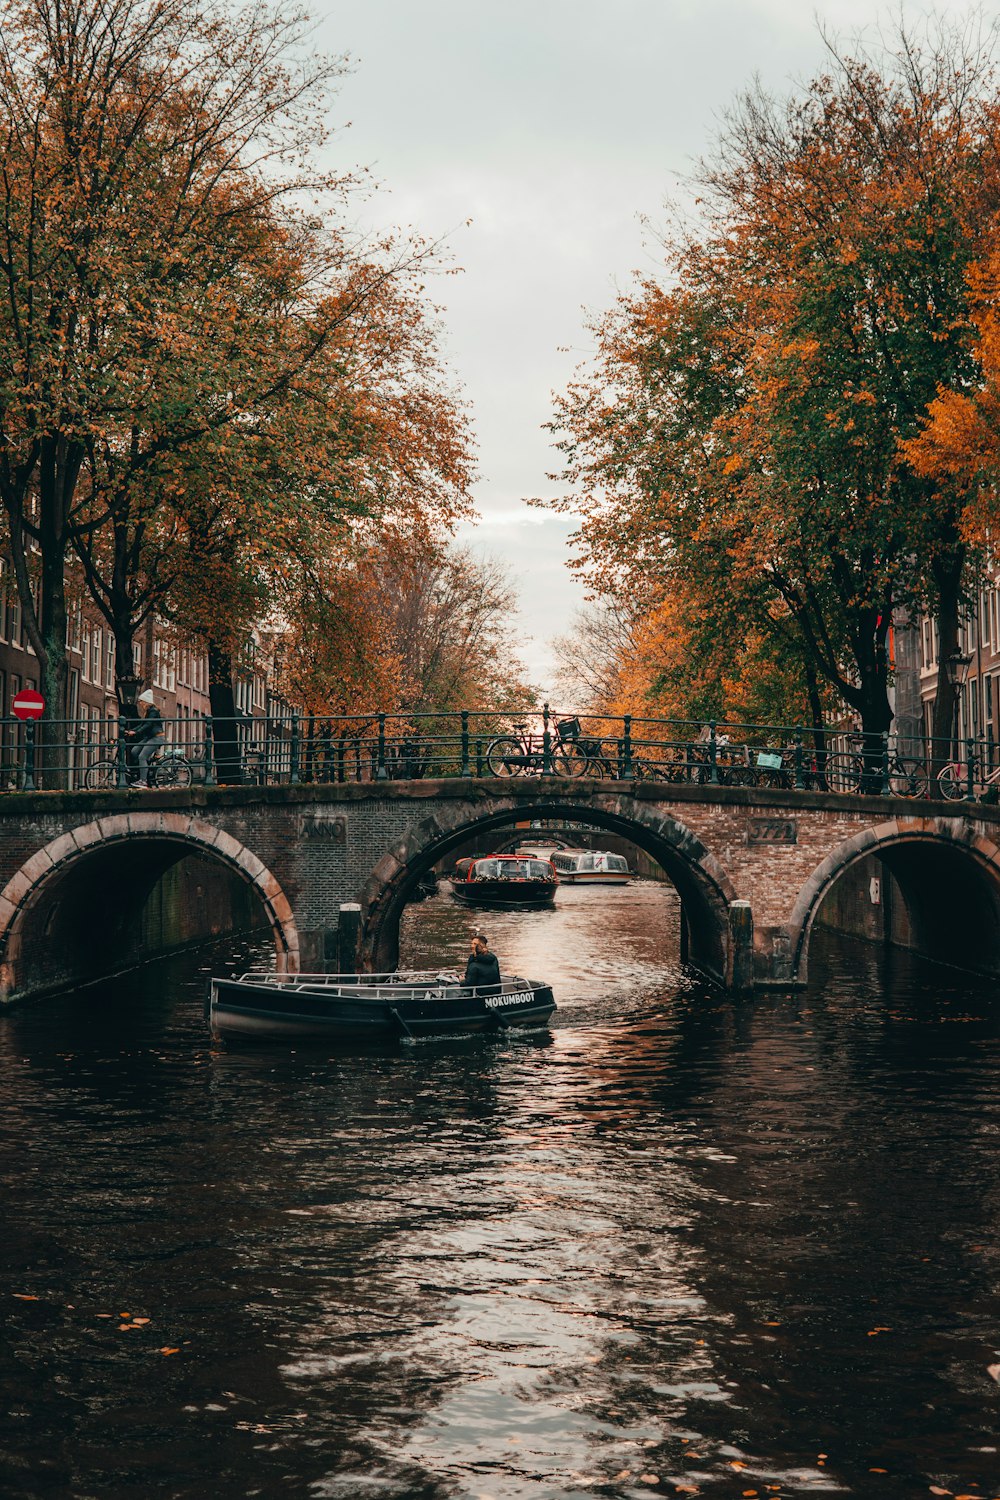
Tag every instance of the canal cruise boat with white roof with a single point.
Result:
(590, 867)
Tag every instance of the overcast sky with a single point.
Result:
(555, 126)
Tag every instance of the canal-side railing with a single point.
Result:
(100, 754)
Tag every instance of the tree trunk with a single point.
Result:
(228, 763)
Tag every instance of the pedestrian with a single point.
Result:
(147, 738)
(482, 971)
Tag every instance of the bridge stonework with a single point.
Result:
(69, 863)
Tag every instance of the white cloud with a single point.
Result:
(553, 124)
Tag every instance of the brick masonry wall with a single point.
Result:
(322, 846)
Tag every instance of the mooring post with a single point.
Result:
(740, 947)
(348, 933)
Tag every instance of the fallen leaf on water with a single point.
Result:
(137, 1322)
(625, 1474)
(24, 1297)
(169, 1351)
(878, 1471)
(936, 1490)
(749, 1492)
(649, 1478)
(873, 1331)
(994, 1372)
(735, 1464)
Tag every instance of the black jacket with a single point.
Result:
(482, 969)
(149, 727)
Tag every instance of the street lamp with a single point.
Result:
(955, 667)
(128, 687)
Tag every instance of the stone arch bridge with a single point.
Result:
(93, 883)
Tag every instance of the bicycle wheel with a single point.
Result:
(737, 776)
(844, 773)
(505, 757)
(652, 770)
(102, 776)
(172, 770)
(569, 760)
(907, 778)
(953, 783)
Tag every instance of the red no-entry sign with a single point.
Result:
(28, 705)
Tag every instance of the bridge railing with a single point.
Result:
(107, 754)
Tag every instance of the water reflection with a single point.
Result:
(676, 1242)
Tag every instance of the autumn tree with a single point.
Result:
(743, 427)
(188, 331)
(412, 626)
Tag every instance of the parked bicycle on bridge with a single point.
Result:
(522, 753)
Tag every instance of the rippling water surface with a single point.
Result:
(675, 1245)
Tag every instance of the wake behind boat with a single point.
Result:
(335, 1007)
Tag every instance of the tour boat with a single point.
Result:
(590, 867)
(504, 880)
(333, 1007)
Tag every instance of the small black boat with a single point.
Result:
(335, 1007)
(504, 880)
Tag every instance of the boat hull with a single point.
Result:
(592, 877)
(355, 1012)
(504, 892)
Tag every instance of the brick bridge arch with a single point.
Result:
(948, 875)
(704, 886)
(155, 840)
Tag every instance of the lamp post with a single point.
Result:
(955, 667)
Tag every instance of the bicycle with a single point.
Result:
(953, 780)
(521, 753)
(851, 771)
(168, 767)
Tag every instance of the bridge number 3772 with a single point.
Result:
(771, 831)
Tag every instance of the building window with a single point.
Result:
(109, 662)
(85, 649)
(96, 655)
(14, 619)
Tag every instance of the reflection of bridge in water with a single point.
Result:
(94, 882)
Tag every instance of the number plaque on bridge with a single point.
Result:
(332, 829)
(771, 831)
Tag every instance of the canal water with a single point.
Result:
(673, 1246)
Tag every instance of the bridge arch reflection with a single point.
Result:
(704, 887)
(941, 891)
(107, 888)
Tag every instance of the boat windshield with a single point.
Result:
(591, 863)
(512, 869)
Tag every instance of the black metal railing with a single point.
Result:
(106, 754)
